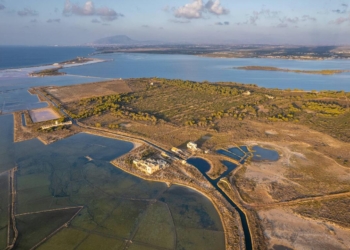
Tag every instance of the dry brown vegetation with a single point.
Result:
(334, 211)
(308, 129)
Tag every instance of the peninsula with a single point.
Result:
(222, 123)
(317, 72)
(54, 69)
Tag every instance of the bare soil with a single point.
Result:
(73, 93)
(283, 227)
(43, 115)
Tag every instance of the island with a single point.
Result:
(317, 72)
(54, 70)
(265, 158)
(290, 52)
(48, 72)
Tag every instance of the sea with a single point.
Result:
(118, 208)
(63, 167)
(16, 62)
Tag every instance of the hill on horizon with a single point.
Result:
(118, 39)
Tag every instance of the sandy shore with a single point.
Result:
(24, 72)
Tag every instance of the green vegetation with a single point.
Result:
(48, 72)
(318, 72)
(211, 106)
(324, 108)
(112, 104)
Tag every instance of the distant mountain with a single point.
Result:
(118, 40)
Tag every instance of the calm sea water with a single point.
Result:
(59, 175)
(15, 83)
(19, 57)
(219, 69)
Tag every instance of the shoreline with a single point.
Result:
(324, 72)
(26, 71)
(222, 211)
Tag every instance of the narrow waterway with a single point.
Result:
(203, 166)
(24, 124)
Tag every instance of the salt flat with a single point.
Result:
(43, 114)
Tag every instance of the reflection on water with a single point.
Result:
(116, 204)
(263, 154)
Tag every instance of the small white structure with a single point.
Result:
(192, 146)
(57, 124)
(270, 97)
(247, 93)
(150, 165)
(176, 150)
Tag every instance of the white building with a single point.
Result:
(192, 146)
(150, 165)
(57, 124)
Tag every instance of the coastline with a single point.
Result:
(26, 71)
(224, 212)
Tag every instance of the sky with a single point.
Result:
(77, 22)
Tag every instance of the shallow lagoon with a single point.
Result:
(117, 206)
(197, 68)
(263, 154)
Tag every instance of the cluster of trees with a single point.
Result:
(324, 108)
(239, 113)
(205, 87)
(282, 117)
(114, 104)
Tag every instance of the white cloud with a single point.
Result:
(89, 9)
(196, 9)
(215, 7)
(190, 10)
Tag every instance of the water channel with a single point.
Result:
(239, 154)
(203, 166)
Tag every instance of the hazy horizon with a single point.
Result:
(71, 22)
